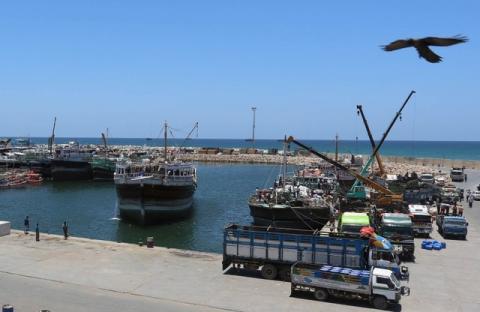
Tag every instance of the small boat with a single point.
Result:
(34, 177)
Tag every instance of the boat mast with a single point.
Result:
(51, 141)
(165, 139)
(284, 165)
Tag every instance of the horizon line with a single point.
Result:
(242, 139)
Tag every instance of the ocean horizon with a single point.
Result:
(456, 150)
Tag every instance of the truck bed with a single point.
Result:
(252, 243)
(330, 277)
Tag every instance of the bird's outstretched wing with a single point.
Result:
(395, 45)
(426, 53)
(435, 41)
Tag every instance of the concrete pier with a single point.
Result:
(88, 275)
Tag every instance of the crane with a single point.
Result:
(357, 191)
(387, 197)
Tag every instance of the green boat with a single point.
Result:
(103, 169)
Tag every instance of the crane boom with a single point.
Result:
(370, 183)
(375, 151)
(372, 141)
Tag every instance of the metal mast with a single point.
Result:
(165, 128)
(51, 141)
(372, 141)
(336, 147)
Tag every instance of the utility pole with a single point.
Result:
(253, 127)
(336, 147)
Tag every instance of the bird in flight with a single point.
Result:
(422, 46)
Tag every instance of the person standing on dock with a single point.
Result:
(65, 229)
(26, 223)
(37, 233)
(470, 200)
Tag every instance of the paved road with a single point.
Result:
(86, 275)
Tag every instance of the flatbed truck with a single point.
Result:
(274, 250)
(378, 286)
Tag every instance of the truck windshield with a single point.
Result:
(395, 280)
(422, 218)
(350, 228)
(455, 222)
(392, 231)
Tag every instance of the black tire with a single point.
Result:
(269, 271)
(380, 302)
(320, 294)
(284, 274)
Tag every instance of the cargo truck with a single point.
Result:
(274, 250)
(421, 219)
(455, 226)
(353, 222)
(379, 286)
(397, 228)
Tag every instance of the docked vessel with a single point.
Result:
(71, 163)
(155, 191)
(304, 202)
(103, 169)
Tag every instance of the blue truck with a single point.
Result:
(452, 226)
(274, 250)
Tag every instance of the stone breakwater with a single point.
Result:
(393, 164)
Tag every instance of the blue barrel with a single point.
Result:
(437, 246)
(428, 246)
(7, 308)
(444, 245)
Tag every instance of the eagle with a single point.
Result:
(422, 46)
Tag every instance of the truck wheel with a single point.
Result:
(320, 294)
(269, 272)
(284, 274)
(380, 302)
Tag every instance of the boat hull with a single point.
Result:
(102, 174)
(289, 217)
(65, 170)
(148, 204)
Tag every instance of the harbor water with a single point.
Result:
(90, 208)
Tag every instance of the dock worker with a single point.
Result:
(65, 230)
(438, 206)
(454, 209)
(470, 200)
(37, 233)
(460, 210)
(26, 223)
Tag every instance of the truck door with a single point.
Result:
(383, 286)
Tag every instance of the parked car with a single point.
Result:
(427, 178)
(440, 180)
(476, 195)
(457, 175)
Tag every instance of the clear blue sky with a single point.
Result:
(129, 65)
